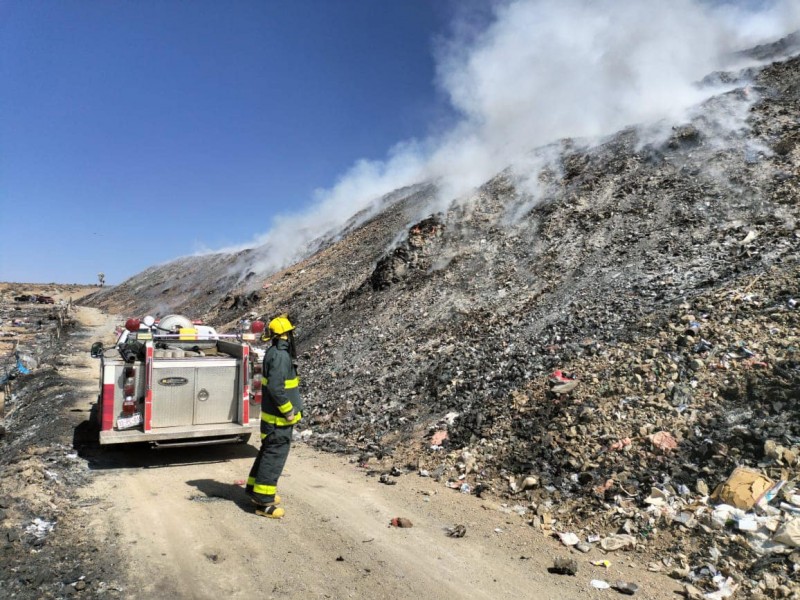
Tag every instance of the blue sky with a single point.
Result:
(135, 132)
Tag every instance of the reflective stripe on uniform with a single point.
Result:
(285, 408)
(279, 421)
(251, 481)
(265, 490)
(288, 384)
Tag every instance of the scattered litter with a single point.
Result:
(523, 483)
(438, 437)
(457, 531)
(619, 445)
(401, 522)
(387, 479)
(600, 584)
(743, 488)
(40, 528)
(601, 563)
(657, 497)
(789, 533)
(620, 541)
(568, 539)
(725, 588)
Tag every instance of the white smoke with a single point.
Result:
(539, 71)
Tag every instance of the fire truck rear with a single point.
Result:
(175, 382)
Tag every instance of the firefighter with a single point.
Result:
(281, 409)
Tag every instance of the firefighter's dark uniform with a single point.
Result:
(281, 398)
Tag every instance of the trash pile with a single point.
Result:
(31, 325)
(591, 391)
(690, 434)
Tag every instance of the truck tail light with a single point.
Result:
(129, 391)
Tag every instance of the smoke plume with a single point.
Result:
(539, 71)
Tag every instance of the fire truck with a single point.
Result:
(176, 382)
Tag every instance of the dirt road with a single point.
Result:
(182, 524)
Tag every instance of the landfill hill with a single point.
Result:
(598, 357)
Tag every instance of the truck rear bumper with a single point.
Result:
(187, 432)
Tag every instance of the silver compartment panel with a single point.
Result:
(180, 405)
(221, 384)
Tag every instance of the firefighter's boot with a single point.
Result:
(261, 501)
(271, 511)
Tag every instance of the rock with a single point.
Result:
(680, 573)
(692, 593)
(663, 441)
(771, 582)
(564, 566)
(628, 589)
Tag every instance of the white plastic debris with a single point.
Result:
(724, 514)
(725, 588)
(450, 418)
(789, 533)
(747, 523)
(600, 584)
(40, 528)
(568, 539)
(619, 541)
(657, 497)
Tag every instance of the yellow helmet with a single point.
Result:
(280, 325)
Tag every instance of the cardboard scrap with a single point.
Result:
(743, 488)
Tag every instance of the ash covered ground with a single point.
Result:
(44, 552)
(660, 273)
